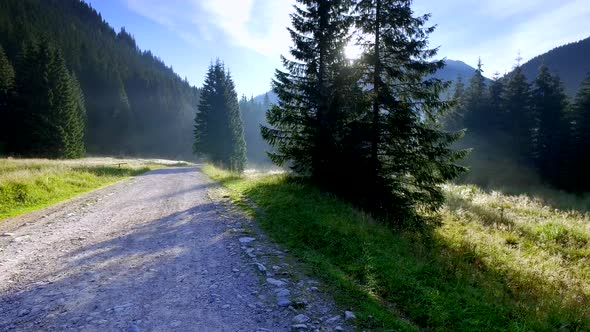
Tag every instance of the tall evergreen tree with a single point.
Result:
(302, 124)
(549, 103)
(518, 118)
(78, 118)
(454, 120)
(477, 115)
(495, 104)
(579, 177)
(219, 133)
(237, 159)
(6, 98)
(409, 155)
(48, 107)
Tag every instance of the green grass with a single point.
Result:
(497, 263)
(30, 184)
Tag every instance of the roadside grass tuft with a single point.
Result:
(30, 184)
(498, 262)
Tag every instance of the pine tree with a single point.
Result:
(6, 98)
(579, 176)
(219, 133)
(518, 119)
(477, 116)
(495, 104)
(409, 155)
(549, 104)
(49, 105)
(237, 155)
(302, 126)
(78, 127)
(454, 119)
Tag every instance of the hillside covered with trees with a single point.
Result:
(571, 62)
(134, 103)
(524, 133)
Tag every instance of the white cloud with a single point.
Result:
(234, 19)
(496, 30)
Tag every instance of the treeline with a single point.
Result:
(135, 104)
(534, 125)
(41, 105)
(367, 130)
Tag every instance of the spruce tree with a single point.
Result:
(549, 104)
(495, 104)
(219, 133)
(237, 155)
(6, 99)
(409, 155)
(454, 120)
(78, 120)
(579, 176)
(477, 116)
(518, 119)
(303, 125)
(49, 105)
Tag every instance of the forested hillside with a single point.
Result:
(135, 104)
(571, 62)
(524, 134)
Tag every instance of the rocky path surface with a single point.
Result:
(159, 252)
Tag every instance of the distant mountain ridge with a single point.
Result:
(571, 62)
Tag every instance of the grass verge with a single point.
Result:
(498, 262)
(30, 184)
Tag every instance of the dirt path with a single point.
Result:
(152, 253)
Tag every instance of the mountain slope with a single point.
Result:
(455, 69)
(571, 62)
(136, 105)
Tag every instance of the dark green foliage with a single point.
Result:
(549, 104)
(219, 133)
(135, 104)
(518, 118)
(409, 155)
(303, 126)
(48, 116)
(477, 114)
(529, 130)
(454, 119)
(6, 97)
(495, 103)
(372, 122)
(579, 170)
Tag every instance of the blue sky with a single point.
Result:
(250, 35)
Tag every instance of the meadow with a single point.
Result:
(30, 184)
(493, 261)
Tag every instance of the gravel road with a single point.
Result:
(151, 253)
